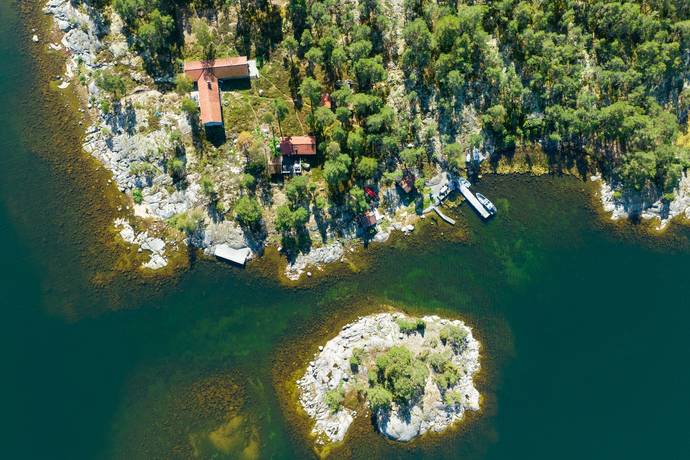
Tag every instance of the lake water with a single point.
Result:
(584, 324)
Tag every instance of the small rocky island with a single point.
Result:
(414, 374)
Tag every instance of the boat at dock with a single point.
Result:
(486, 203)
(474, 202)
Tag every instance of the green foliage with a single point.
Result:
(449, 376)
(137, 196)
(189, 106)
(296, 189)
(187, 222)
(284, 221)
(411, 156)
(248, 212)
(311, 90)
(332, 150)
(105, 106)
(401, 373)
(111, 83)
(447, 373)
(207, 186)
(205, 39)
(142, 168)
(300, 217)
(256, 158)
(247, 181)
(281, 110)
(176, 168)
(452, 398)
(369, 71)
(287, 219)
(408, 326)
(337, 170)
(334, 399)
(379, 398)
(453, 335)
(323, 118)
(357, 200)
(438, 360)
(356, 358)
(367, 167)
(455, 155)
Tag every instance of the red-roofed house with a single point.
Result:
(298, 145)
(207, 74)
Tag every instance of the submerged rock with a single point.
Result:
(156, 246)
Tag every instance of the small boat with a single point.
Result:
(486, 203)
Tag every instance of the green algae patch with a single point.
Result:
(236, 438)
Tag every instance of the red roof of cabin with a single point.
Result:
(209, 100)
(207, 74)
(298, 145)
(229, 67)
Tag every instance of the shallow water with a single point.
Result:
(583, 323)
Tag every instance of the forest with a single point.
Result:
(600, 86)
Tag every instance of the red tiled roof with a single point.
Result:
(229, 67)
(298, 145)
(207, 74)
(209, 100)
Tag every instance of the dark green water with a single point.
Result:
(584, 325)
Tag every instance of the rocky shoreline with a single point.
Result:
(648, 204)
(367, 338)
(144, 124)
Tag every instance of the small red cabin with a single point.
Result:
(298, 145)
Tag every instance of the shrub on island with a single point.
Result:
(401, 373)
(453, 335)
(408, 326)
(334, 399)
(379, 398)
(356, 358)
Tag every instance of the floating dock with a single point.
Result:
(237, 256)
(474, 202)
(443, 216)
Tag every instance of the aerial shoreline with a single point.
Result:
(143, 228)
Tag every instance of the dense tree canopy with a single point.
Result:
(600, 84)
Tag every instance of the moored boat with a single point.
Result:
(486, 203)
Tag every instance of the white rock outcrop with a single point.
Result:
(156, 246)
(647, 204)
(316, 257)
(376, 334)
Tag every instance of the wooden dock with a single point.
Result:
(474, 202)
(443, 216)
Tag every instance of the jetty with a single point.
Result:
(443, 186)
(450, 220)
(474, 202)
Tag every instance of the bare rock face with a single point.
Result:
(316, 257)
(647, 204)
(371, 336)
